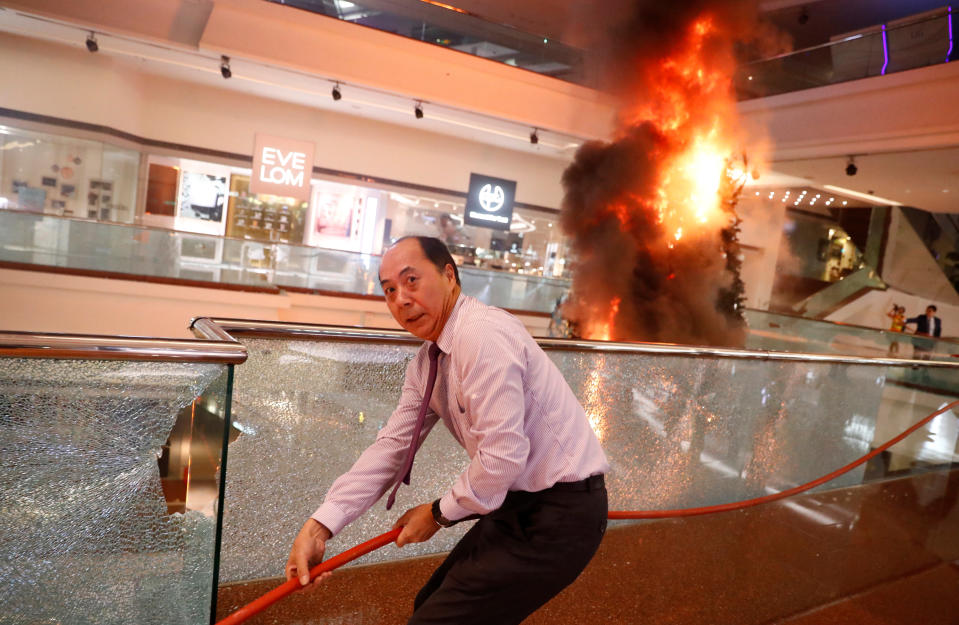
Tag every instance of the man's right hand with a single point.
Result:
(307, 551)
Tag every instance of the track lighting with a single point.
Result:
(225, 70)
(418, 110)
(534, 137)
(851, 168)
(92, 45)
(336, 92)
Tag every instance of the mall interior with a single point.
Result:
(195, 197)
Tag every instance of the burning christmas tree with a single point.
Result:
(651, 214)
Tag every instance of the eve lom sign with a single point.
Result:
(282, 167)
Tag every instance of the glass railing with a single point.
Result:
(785, 333)
(906, 44)
(443, 25)
(55, 241)
(682, 427)
(48, 240)
(111, 449)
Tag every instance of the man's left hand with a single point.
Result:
(418, 525)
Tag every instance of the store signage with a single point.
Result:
(282, 167)
(490, 202)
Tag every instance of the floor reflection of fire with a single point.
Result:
(595, 401)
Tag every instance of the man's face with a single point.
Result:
(418, 295)
(930, 312)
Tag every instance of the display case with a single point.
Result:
(263, 217)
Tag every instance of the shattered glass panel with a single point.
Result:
(85, 535)
(685, 431)
(303, 411)
(680, 431)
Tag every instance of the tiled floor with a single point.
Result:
(880, 554)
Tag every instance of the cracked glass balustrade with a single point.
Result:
(680, 431)
(108, 490)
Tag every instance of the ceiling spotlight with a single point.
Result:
(851, 168)
(418, 110)
(225, 70)
(92, 45)
(336, 92)
(533, 137)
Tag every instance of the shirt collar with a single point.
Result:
(445, 339)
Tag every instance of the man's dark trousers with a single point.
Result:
(516, 558)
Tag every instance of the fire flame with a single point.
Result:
(603, 331)
(687, 114)
(694, 106)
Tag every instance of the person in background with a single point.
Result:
(450, 231)
(898, 316)
(926, 325)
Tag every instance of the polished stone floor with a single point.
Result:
(882, 553)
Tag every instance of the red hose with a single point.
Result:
(260, 604)
(738, 505)
(383, 539)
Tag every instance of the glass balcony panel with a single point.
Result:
(458, 30)
(680, 431)
(776, 332)
(108, 485)
(906, 44)
(140, 251)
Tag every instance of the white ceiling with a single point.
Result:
(926, 179)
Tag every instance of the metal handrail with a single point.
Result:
(101, 347)
(281, 329)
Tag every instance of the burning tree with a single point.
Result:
(651, 214)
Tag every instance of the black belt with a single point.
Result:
(593, 482)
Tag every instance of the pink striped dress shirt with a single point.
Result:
(502, 399)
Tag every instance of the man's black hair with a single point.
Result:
(436, 252)
(933, 307)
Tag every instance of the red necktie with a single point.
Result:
(408, 463)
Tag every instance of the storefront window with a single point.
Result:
(263, 217)
(533, 245)
(75, 178)
(57, 175)
(188, 195)
(346, 217)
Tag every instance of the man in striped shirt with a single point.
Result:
(535, 477)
